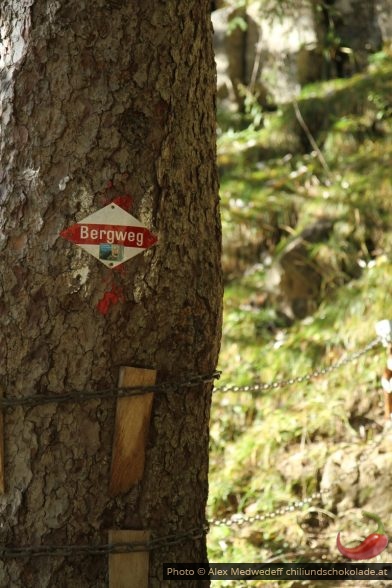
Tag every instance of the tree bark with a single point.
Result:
(101, 99)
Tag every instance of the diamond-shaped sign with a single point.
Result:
(111, 234)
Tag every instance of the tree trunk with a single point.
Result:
(347, 32)
(102, 99)
(356, 25)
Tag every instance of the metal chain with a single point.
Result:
(300, 379)
(196, 533)
(103, 549)
(241, 519)
(191, 534)
(84, 396)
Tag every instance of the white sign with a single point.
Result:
(111, 234)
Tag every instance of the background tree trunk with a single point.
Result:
(121, 92)
(342, 25)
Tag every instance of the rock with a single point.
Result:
(359, 478)
(299, 465)
(343, 465)
(281, 37)
(294, 279)
(235, 48)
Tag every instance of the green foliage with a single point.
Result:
(252, 106)
(269, 449)
(236, 22)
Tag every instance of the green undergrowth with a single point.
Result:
(268, 449)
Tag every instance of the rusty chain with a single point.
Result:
(166, 387)
(306, 377)
(84, 396)
(102, 549)
(195, 533)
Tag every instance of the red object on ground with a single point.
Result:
(370, 547)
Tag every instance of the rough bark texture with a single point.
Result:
(96, 92)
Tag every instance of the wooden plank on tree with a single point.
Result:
(131, 431)
(128, 570)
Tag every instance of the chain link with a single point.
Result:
(237, 520)
(192, 534)
(103, 549)
(300, 379)
(85, 396)
(195, 533)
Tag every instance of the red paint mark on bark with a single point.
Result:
(124, 202)
(109, 298)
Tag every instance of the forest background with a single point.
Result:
(305, 156)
